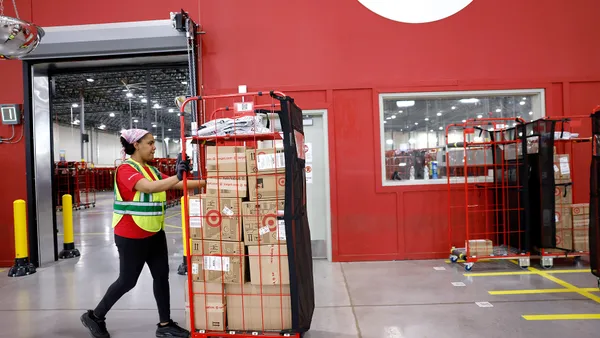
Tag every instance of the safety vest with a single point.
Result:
(147, 210)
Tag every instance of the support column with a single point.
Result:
(82, 125)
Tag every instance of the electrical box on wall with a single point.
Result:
(11, 114)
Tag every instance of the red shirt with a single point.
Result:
(127, 177)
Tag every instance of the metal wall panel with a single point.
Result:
(42, 164)
(109, 39)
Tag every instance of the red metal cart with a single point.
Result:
(247, 233)
(486, 179)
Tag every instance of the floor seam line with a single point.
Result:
(352, 308)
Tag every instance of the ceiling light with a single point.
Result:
(144, 101)
(384, 121)
(427, 119)
(389, 142)
(441, 128)
(464, 121)
(401, 104)
(393, 116)
(156, 106)
(129, 95)
(170, 129)
(530, 113)
(524, 98)
(416, 123)
(75, 105)
(184, 82)
(439, 114)
(522, 103)
(479, 116)
(400, 111)
(154, 126)
(76, 121)
(135, 121)
(431, 131)
(453, 107)
(111, 114)
(125, 90)
(102, 126)
(388, 118)
(472, 100)
(90, 80)
(171, 110)
(498, 110)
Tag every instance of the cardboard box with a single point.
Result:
(563, 195)
(266, 160)
(222, 262)
(267, 186)
(260, 219)
(581, 211)
(564, 239)
(226, 159)
(562, 217)
(481, 247)
(223, 185)
(210, 310)
(195, 212)
(222, 219)
(581, 240)
(562, 168)
(274, 266)
(274, 305)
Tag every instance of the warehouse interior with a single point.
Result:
(454, 196)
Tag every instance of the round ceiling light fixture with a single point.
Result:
(17, 37)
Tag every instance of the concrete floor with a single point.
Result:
(408, 299)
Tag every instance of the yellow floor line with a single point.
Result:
(110, 233)
(2, 270)
(177, 214)
(567, 271)
(563, 317)
(539, 291)
(172, 226)
(492, 274)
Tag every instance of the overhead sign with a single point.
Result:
(415, 11)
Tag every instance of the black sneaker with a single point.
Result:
(96, 325)
(171, 330)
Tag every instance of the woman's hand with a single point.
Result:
(182, 166)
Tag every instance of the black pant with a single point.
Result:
(133, 254)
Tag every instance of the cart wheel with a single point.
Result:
(453, 258)
(546, 267)
(94, 205)
(468, 266)
(598, 283)
(577, 259)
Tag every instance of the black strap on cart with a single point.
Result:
(295, 216)
(594, 228)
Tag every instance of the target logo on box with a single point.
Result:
(222, 219)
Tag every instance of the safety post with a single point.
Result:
(182, 269)
(69, 250)
(22, 265)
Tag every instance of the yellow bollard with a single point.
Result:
(22, 265)
(69, 250)
(182, 269)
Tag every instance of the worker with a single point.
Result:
(138, 222)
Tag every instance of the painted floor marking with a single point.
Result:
(563, 317)
(538, 291)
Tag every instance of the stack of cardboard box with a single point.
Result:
(581, 225)
(236, 289)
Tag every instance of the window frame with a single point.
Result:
(444, 94)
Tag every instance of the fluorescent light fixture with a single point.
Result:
(144, 101)
(384, 121)
(522, 103)
(400, 111)
(90, 80)
(389, 142)
(453, 107)
(441, 128)
(76, 121)
(393, 116)
(184, 82)
(464, 121)
(135, 121)
(171, 110)
(129, 95)
(401, 104)
(170, 129)
(479, 116)
(416, 123)
(156, 106)
(102, 126)
(530, 113)
(471, 100)
(427, 119)
(439, 114)
(498, 110)
(75, 105)
(388, 118)
(431, 131)
(111, 114)
(154, 126)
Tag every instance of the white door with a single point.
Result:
(317, 182)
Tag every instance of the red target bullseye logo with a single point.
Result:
(270, 220)
(261, 153)
(281, 181)
(556, 191)
(213, 218)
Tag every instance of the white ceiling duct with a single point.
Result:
(17, 37)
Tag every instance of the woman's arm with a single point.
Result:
(150, 187)
(191, 184)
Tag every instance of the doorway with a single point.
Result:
(317, 181)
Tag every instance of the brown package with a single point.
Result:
(260, 218)
(274, 302)
(209, 306)
(274, 265)
(216, 267)
(266, 186)
(222, 219)
(230, 159)
(226, 185)
(267, 160)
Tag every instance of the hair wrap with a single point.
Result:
(132, 136)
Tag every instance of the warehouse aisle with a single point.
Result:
(408, 299)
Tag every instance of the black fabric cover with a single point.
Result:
(594, 230)
(296, 219)
(541, 183)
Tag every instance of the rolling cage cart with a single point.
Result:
(247, 232)
(104, 178)
(594, 214)
(563, 146)
(487, 186)
(76, 179)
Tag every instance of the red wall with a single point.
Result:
(315, 49)
(340, 56)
